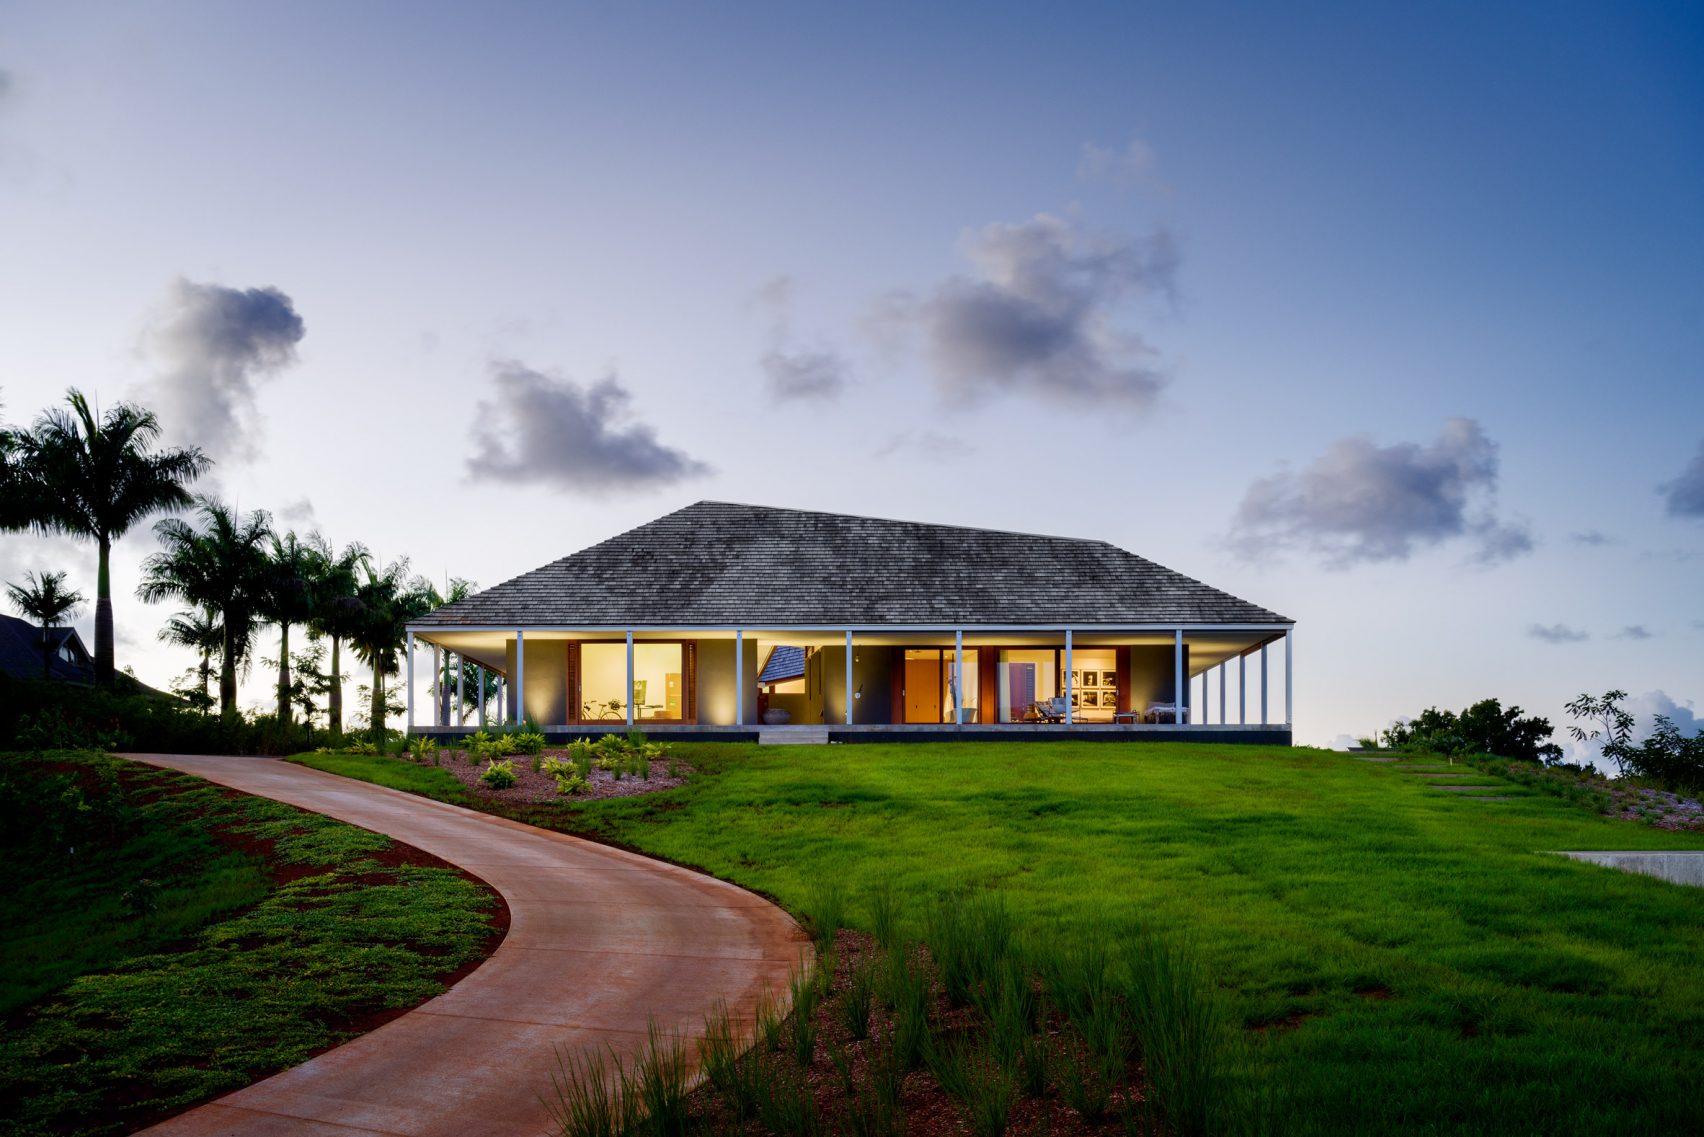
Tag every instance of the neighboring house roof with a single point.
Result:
(720, 564)
(784, 663)
(20, 652)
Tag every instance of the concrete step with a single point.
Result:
(793, 736)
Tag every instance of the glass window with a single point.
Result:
(1025, 678)
(658, 693)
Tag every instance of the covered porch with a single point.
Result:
(1218, 682)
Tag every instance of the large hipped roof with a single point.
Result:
(721, 564)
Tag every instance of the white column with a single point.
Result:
(849, 677)
(629, 699)
(520, 677)
(1178, 694)
(1242, 689)
(408, 728)
(437, 681)
(1069, 686)
(1223, 675)
(1263, 719)
(958, 678)
(482, 696)
(739, 676)
(1289, 679)
(461, 690)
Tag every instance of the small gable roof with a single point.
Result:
(784, 663)
(726, 565)
(20, 652)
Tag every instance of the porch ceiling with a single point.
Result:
(1206, 650)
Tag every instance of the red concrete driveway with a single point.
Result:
(601, 943)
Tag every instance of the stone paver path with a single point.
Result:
(601, 942)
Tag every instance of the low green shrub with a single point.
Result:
(499, 775)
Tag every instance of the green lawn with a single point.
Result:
(165, 940)
(1401, 960)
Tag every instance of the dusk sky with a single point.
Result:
(1387, 317)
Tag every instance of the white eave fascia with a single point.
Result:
(855, 628)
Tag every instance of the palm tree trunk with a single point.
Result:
(378, 701)
(46, 655)
(228, 673)
(103, 615)
(206, 670)
(284, 673)
(334, 697)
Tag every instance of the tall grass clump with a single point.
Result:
(659, 1086)
(827, 912)
(1181, 1031)
(970, 939)
(803, 1030)
(884, 916)
(786, 1106)
(856, 1002)
(1014, 1027)
(975, 1074)
(906, 992)
(768, 1022)
(719, 1052)
(874, 1108)
(586, 1099)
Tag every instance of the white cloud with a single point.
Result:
(549, 430)
(1684, 496)
(1361, 502)
(1039, 315)
(1557, 633)
(218, 343)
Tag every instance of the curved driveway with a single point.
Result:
(600, 943)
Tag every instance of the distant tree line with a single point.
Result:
(1667, 756)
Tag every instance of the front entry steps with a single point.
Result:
(793, 736)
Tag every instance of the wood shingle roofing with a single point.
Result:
(721, 564)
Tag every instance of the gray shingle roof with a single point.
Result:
(784, 663)
(20, 652)
(716, 563)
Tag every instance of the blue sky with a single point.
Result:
(1122, 271)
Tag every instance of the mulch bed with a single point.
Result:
(533, 786)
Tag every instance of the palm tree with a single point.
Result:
(291, 574)
(390, 599)
(98, 476)
(202, 632)
(18, 504)
(222, 567)
(337, 612)
(43, 599)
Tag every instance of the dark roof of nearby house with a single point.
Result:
(20, 652)
(784, 663)
(720, 564)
